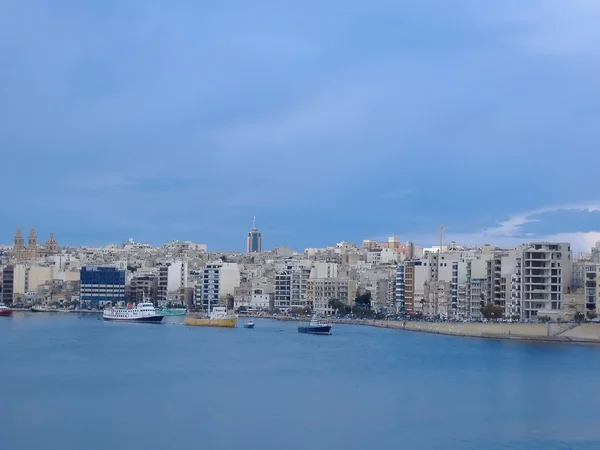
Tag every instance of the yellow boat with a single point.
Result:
(218, 317)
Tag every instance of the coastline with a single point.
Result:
(543, 332)
(81, 311)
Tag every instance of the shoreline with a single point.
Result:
(81, 311)
(580, 333)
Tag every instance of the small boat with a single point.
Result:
(249, 324)
(142, 312)
(315, 326)
(41, 308)
(171, 311)
(5, 311)
(218, 317)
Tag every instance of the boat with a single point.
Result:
(315, 326)
(217, 317)
(171, 311)
(142, 312)
(249, 324)
(41, 308)
(5, 311)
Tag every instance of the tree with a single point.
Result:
(579, 316)
(339, 306)
(491, 311)
(363, 301)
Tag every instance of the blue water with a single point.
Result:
(74, 382)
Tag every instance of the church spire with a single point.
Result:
(19, 240)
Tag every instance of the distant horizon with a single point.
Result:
(358, 243)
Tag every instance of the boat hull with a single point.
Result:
(323, 329)
(229, 322)
(149, 319)
(249, 325)
(5, 312)
(171, 312)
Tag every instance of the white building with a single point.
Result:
(216, 281)
(547, 272)
(291, 285)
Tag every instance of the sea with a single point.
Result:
(73, 381)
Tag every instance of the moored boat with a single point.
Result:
(249, 324)
(171, 311)
(41, 308)
(5, 311)
(142, 312)
(217, 317)
(315, 326)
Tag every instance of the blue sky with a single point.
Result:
(328, 121)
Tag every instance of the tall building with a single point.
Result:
(254, 243)
(215, 283)
(291, 286)
(101, 285)
(172, 276)
(8, 274)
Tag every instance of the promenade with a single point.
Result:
(552, 332)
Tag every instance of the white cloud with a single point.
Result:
(510, 232)
(550, 27)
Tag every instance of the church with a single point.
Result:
(32, 251)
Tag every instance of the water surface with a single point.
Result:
(74, 382)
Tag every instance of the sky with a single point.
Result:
(328, 121)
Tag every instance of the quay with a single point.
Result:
(549, 332)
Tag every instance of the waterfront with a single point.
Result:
(80, 382)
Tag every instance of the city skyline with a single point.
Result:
(143, 122)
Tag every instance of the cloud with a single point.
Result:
(511, 231)
(555, 28)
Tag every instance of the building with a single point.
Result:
(7, 284)
(322, 290)
(217, 281)
(547, 271)
(32, 251)
(254, 243)
(52, 245)
(143, 287)
(291, 286)
(172, 276)
(23, 252)
(101, 285)
(592, 286)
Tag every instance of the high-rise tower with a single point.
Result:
(254, 239)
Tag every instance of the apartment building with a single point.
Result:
(172, 276)
(547, 273)
(592, 286)
(143, 287)
(291, 285)
(321, 290)
(216, 282)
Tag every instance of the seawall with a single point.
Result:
(550, 332)
(553, 332)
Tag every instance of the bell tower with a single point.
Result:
(19, 246)
(32, 249)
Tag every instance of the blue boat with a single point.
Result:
(315, 326)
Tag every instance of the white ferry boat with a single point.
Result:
(142, 312)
